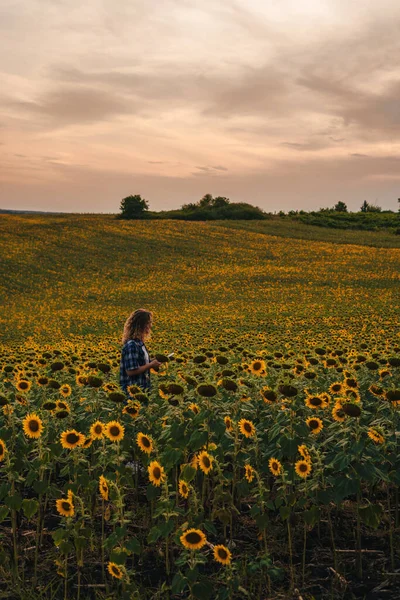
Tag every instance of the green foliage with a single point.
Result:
(133, 207)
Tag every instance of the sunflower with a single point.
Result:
(194, 408)
(352, 395)
(65, 390)
(62, 405)
(81, 380)
(114, 431)
(133, 389)
(97, 430)
(315, 401)
(103, 487)
(257, 367)
(144, 442)
(384, 373)
(275, 466)
(3, 449)
(183, 488)
(247, 428)
(32, 425)
(132, 409)
(303, 468)
(193, 539)
(249, 473)
(336, 387)
(303, 450)
(71, 439)
(228, 423)
(338, 413)
(376, 390)
(88, 442)
(222, 554)
(194, 462)
(315, 424)
(115, 570)
(65, 507)
(156, 473)
(375, 435)
(269, 395)
(205, 462)
(23, 385)
(351, 382)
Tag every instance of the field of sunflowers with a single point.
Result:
(263, 463)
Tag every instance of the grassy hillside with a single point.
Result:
(75, 274)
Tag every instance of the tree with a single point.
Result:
(133, 207)
(366, 207)
(206, 201)
(220, 201)
(340, 207)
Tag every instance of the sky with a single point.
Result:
(280, 103)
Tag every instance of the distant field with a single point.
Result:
(75, 274)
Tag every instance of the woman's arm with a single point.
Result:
(143, 368)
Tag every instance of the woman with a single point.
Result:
(135, 362)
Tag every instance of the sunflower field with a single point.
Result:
(264, 461)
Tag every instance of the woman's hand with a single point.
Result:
(154, 364)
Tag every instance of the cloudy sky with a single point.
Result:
(286, 104)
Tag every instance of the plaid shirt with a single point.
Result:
(132, 357)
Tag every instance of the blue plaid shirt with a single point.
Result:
(132, 357)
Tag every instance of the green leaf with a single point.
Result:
(14, 502)
(284, 511)
(178, 583)
(154, 534)
(30, 507)
(80, 542)
(262, 521)
(166, 528)
(210, 527)
(66, 547)
(152, 492)
(4, 510)
(188, 473)
(203, 590)
(133, 545)
(197, 440)
(371, 515)
(311, 517)
(59, 535)
(40, 487)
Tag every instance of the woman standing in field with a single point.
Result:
(135, 362)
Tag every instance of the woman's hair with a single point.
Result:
(136, 324)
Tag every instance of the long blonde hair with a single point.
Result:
(136, 324)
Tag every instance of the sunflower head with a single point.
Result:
(183, 488)
(228, 423)
(32, 426)
(247, 428)
(114, 431)
(249, 473)
(3, 450)
(65, 507)
(103, 487)
(222, 554)
(97, 430)
(156, 473)
(115, 570)
(275, 466)
(315, 424)
(303, 468)
(193, 539)
(205, 461)
(71, 439)
(144, 442)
